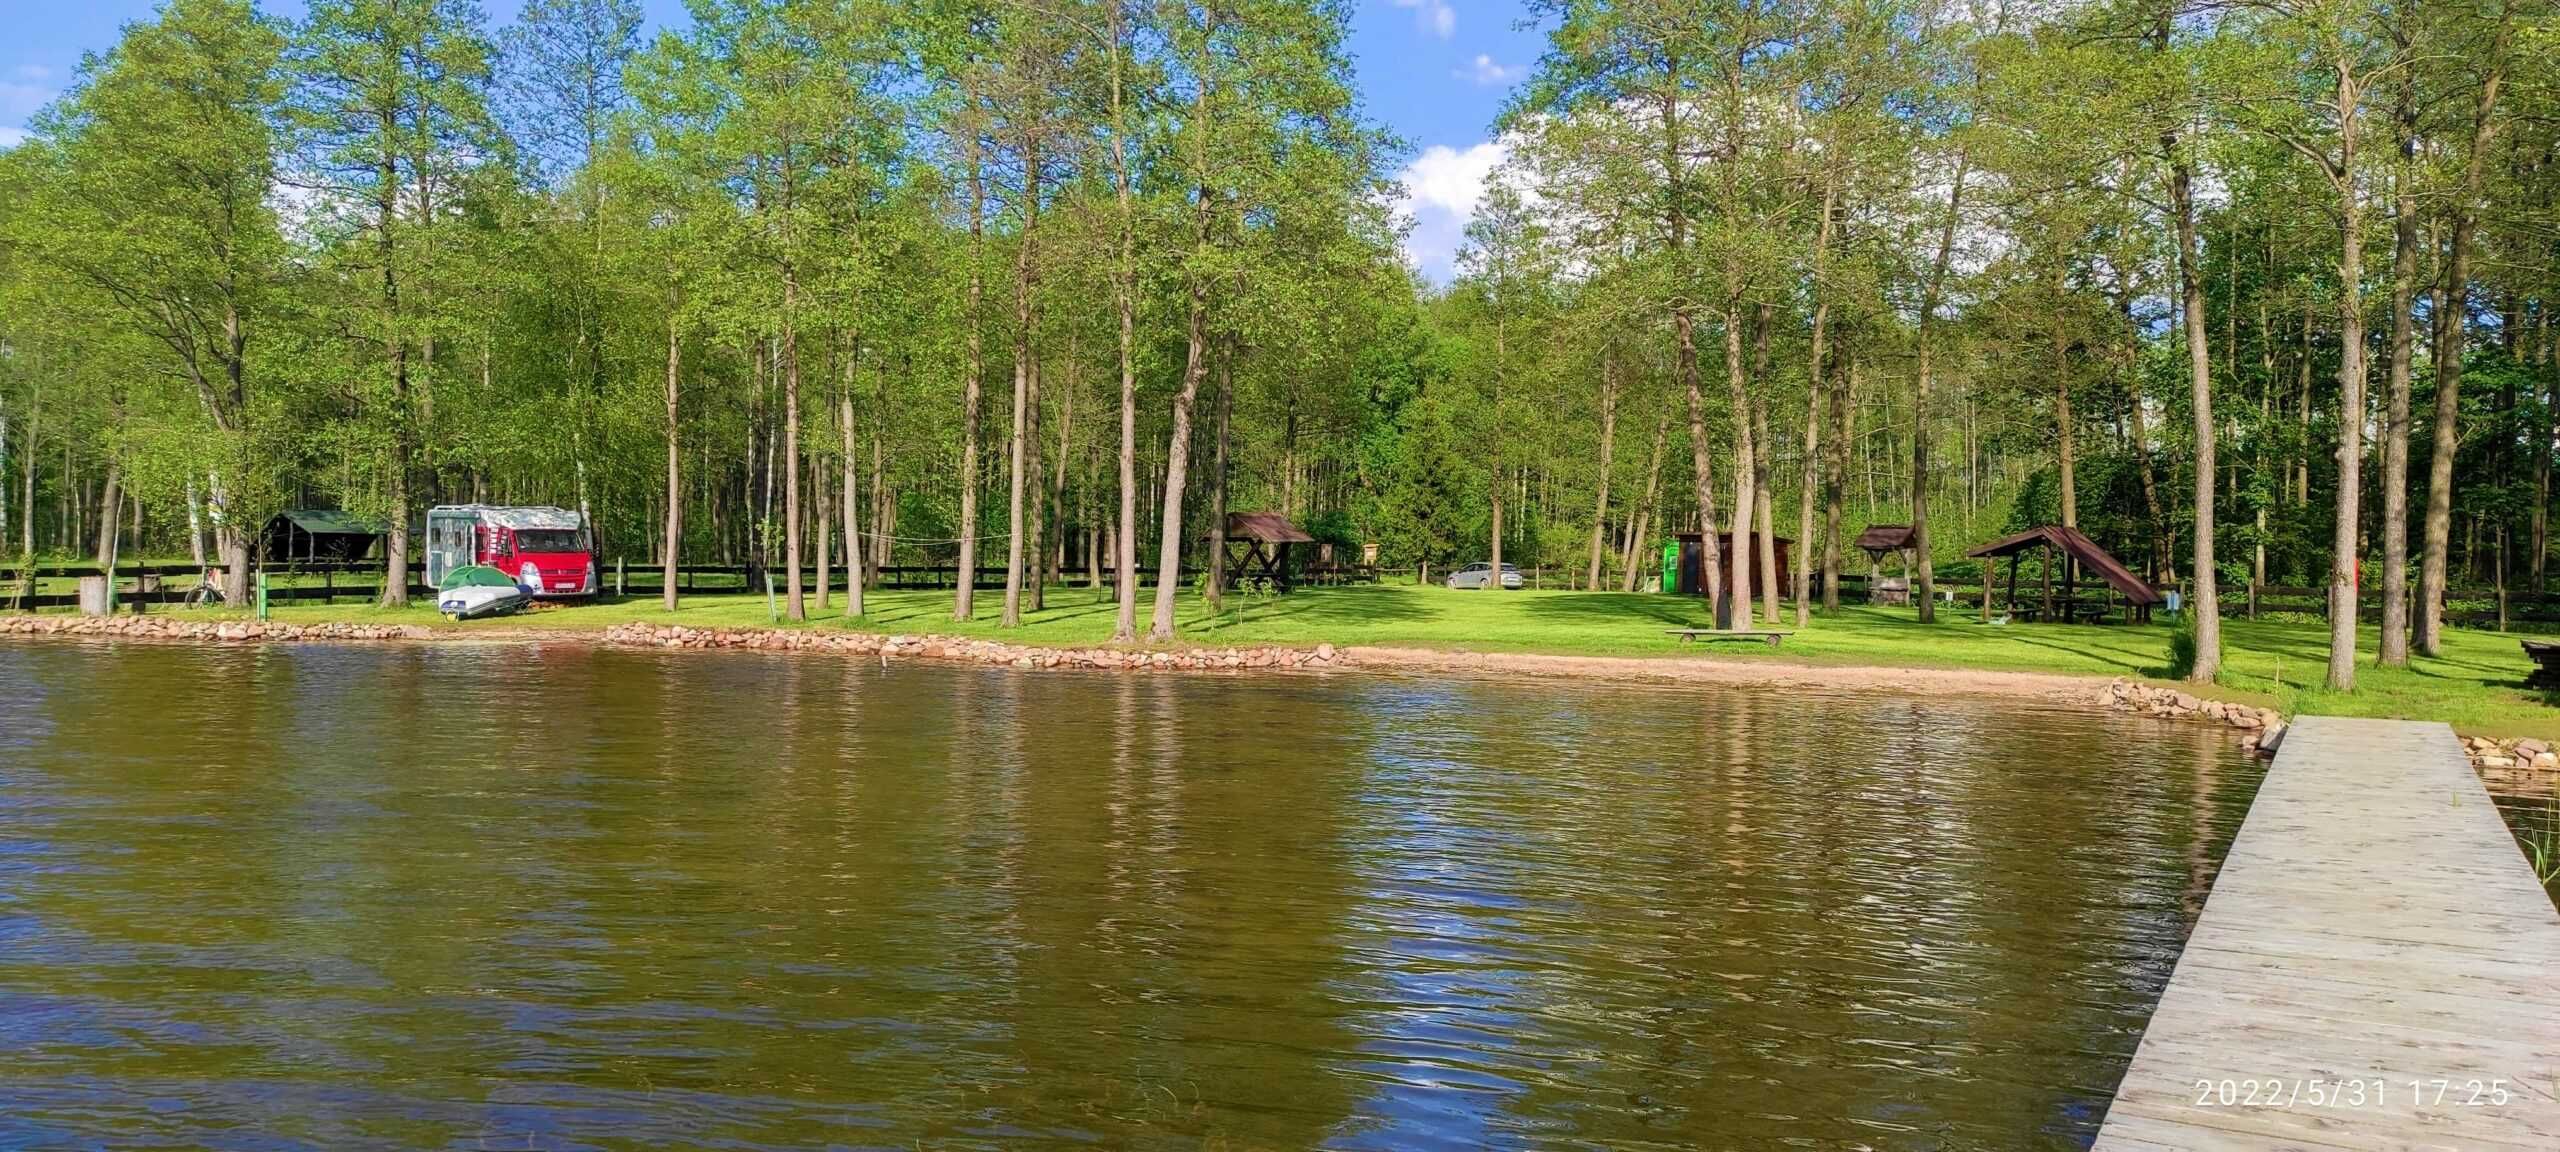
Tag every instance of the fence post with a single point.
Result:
(617, 575)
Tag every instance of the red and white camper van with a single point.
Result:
(547, 550)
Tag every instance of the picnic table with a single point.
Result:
(2546, 663)
(2075, 612)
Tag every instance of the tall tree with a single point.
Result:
(2452, 321)
(391, 105)
(162, 208)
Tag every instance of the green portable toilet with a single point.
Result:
(1671, 565)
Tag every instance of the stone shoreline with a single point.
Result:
(220, 631)
(2263, 727)
(971, 651)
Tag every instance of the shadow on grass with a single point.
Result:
(2110, 657)
(1357, 605)
(1629, 608)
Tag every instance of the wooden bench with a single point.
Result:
(1686, 635)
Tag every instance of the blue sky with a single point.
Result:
(1433, 71)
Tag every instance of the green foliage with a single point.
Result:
(1432, 484)
(384, 256)
(2184, 646)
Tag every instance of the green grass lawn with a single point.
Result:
(2477, 686)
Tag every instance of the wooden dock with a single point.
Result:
(2377, 965)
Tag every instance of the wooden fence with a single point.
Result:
(326, 582)
(330, 581)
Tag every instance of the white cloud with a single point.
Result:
(1489, 73)
(1434, 16)
(1441, 189)
(20, 98)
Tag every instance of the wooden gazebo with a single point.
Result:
(1265, 537)
(2080, 552)
(301, 535)
(1877, 541)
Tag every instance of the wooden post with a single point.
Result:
(2013, 581)
(2046, 574)
(2070, 588)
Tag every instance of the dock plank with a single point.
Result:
(2373, 922)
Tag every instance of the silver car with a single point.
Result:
(1481, 576)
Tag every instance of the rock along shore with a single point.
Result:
(228, 631)
(970, 651)
(2263, 729)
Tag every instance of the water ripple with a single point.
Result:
(547, 897)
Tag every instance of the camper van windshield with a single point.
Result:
(550, 540)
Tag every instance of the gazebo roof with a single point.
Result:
(1885, 538)
(327, 522)
(1268, 527)
(2078, 547)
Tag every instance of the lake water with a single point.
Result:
(535, 897)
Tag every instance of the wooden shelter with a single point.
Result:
(1266, 538)
(302, 535)
(1685, 573)
(1878, 541)
(1684, 568)
(2074, 552)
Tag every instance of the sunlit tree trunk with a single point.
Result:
(2450, 330)
(2394, 647)
(1021, 547)
(1924, 585)
(965, 597)
(2208, 602)
(1643, 522)
(1215, 589)
(1745, 472)
(672, 546)
(1124, 550)
(1608, 441)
